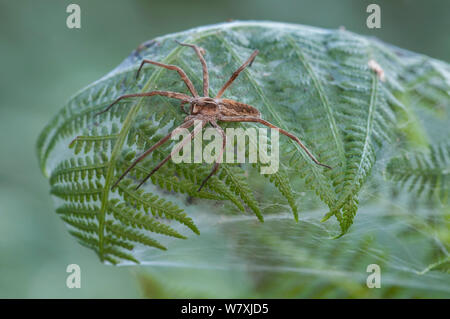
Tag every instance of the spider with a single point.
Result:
(204, 110)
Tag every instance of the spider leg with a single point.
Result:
(255, 119)
(200, 52)
(197, 129)
(180, 71)
(151, 149)
(174, 95)
(219, 157)
(236, 73)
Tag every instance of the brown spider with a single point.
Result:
(205, 110)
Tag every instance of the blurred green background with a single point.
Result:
(43, 63)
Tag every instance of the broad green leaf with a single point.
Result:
(351, 99)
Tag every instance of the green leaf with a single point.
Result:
(317, 84)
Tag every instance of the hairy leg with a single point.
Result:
(151, 149)
(200, 52)
(197, 129)
(236, 73)
(258, 120)
(174, 95)
(180, 71)
(219, 156)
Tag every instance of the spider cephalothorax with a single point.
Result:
(204, 110)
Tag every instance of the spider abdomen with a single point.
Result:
(234, 108)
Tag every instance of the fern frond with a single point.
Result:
(316, 84)
(128, 216)
(281, 182)
(423, 172)
(157, 206)
(74, 169)
(234, 177)
(78, 192)
(166, 177)
(69, 122)
(98, 141)
(366, 126)
(120, 231)
(77, 210)
(114, 251)
(81, 224)
(93, 241)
